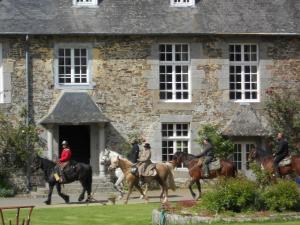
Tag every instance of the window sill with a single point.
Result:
(181, 169)
(245, 102)
(85, 6)
(175, 101)
(75, 86)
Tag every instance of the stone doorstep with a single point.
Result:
(181, 219)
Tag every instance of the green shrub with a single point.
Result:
(237, 195)
(6, 192)
(5, 189)
(262, 176)
(223, 147)
(281, 196)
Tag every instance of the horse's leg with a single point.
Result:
(165, 187)
(130, 185)
(48, 201)
(145, 190)
(191, 189)
(81, 196)
(118, 186)
(199, 188)
(144, 196)
(63, 196)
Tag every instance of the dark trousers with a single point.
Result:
(206, 162)
(277, 160)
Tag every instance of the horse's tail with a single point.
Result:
(89, 180)
(235, 171)
(170, 179)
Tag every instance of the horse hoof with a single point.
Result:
(67, 199)
(80, 199)
(47, 202)
(194, 196)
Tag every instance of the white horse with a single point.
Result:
(106, 158)
(109, 155)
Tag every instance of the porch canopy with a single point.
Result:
(246, 121)
(74, 108)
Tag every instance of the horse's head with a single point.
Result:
(106, 156)
(114, 163)
(36, 163)
(178, 158)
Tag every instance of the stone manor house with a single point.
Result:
(94, 71)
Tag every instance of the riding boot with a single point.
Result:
(206, 171)
(277, 172)
(141, 181)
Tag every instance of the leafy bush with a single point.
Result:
(281, 196)
(282, 106)
(5, 189)
(223, 147)
(237, 195)
(17, 141)
(262, 176)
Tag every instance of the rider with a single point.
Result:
(208, 153)
(281, 153)
(64, 159)
(143, 162)
(135, 150)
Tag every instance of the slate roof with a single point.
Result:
(74, 108)
(150, 17)
(246, 121)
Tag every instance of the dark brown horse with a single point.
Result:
(227, 169)
(266, 161)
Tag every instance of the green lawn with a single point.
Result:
(134, 214)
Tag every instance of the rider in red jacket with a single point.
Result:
(66, 153)
(65, 157)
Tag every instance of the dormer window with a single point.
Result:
(85, 2)
(182, 3)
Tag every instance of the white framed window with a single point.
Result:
(174, 72)
(85, 2)
(182, 3)
(1, 77)
(175, 137)
(241, 153)
(243, 72)
(73, 65)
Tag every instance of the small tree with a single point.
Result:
(15, 142)
(283, 110)
(223, 147)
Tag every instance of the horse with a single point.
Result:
(266, 160)
(227, 169)
(118, 185)
(164, 175)
(81, 172)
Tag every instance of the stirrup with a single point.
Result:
(141, 182)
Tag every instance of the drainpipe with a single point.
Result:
(28, 119)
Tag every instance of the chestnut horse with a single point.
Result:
(164, 175)
(266, 161)
(227, 169)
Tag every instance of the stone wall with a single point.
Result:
(126, 85)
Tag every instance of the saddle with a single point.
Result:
(214, 165)
(286, 161)
(150, 171)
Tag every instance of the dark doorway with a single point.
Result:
(78, 138)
